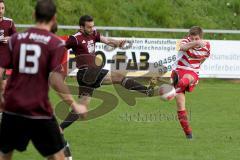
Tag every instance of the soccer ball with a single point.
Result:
(167, 92)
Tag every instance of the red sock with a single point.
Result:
(183, 83)
(182, 117)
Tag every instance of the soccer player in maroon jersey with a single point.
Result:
(193, 52)
(7, 28)
(35, 57)
(89, 75)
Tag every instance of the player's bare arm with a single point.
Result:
(194, 44)
(112, 42)
(57, 83)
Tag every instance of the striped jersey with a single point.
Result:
(193, 57)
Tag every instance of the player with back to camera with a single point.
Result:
(35, 57)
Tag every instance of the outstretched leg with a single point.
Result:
(129, 83)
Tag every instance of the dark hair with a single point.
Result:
(196, 30)
(85, 18)
(45, 10)
(1, 1)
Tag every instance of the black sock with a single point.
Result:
(66, 151)
(131, 84)
(71, 117)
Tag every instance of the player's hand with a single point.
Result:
(200, 43)
(79, 109)
(5, 39)
(121, 43)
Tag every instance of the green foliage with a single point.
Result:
(210, 14)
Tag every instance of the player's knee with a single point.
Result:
(117, 78)
(181, 107)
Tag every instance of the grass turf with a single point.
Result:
(129, 132)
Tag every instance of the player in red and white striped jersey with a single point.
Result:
(192, 58)
(193, 52)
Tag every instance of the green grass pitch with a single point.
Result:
(126, 133)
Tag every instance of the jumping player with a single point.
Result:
(193, 52)
(90, 75)
(35, 57)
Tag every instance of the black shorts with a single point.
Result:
(89, 79)
(17, 131)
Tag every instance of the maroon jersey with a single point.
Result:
(7, 28)
(84, 48)
(32, 55)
